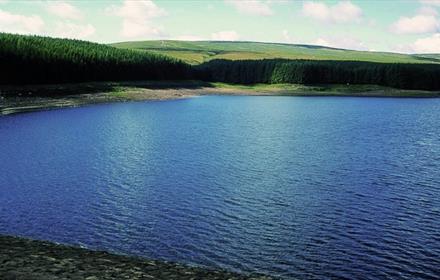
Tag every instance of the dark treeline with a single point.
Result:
(36, 60)
(39, 60)
(404, 76)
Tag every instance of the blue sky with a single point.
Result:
(400, 26)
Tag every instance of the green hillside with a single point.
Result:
(196, 52)
(44, 60)
(37, 59)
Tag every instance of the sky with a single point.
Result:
(411, 26)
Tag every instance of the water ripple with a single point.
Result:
(311, 188)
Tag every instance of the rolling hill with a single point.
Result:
(196, 52)
(45, 60)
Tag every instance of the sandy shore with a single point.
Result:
(26, 259)
(27, 101)
(17, 99)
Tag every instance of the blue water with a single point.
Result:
(290, 186)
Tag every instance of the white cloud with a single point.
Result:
(64, 10)
(15, 23)
(341, 42)
(138, 29)
(277, 1)
(3, 1)
(73, 30)
(286, 35)
(228, 35)
(430, 2)
(429, 44)
(428, 11)
(342, 12)
(288, 38)
(319, 11)
(425, 21)
(251, 7)
(138, 10)
(137, 18)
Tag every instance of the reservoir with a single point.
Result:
(294, 187)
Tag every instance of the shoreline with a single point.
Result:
(29, 98)
(22, 258)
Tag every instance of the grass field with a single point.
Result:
(196, 52)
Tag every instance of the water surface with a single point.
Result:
(301, 187)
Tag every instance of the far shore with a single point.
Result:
(22, 258)
(18, 99)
